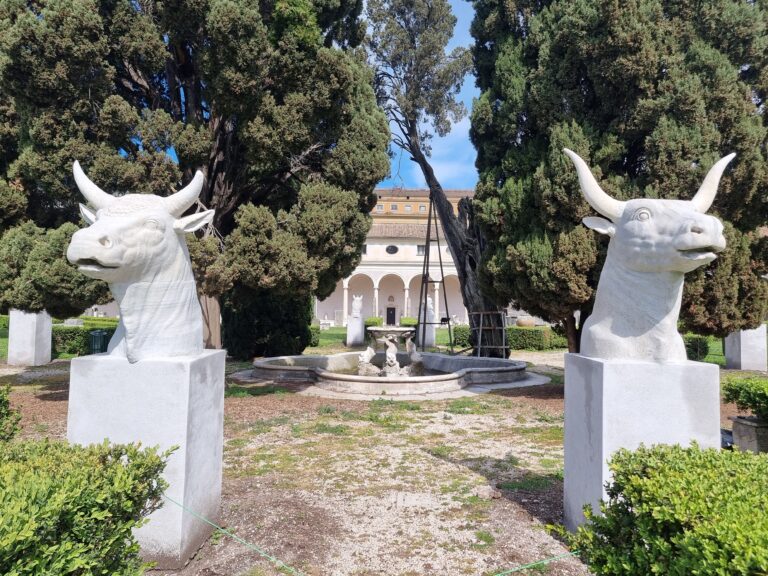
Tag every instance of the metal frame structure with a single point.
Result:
(426, 281)
(481, 329)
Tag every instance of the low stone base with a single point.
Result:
(747, 350)
(166, 402)
(29, 338)
(750, 434)
(355, 331)
(612, 404)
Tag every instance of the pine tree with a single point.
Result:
(651, 92)
(272, 101)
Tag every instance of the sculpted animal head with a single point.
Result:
(135, 237)
(652, 235)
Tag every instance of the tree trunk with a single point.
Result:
(211, 321)
(465, 243)
(573, 334)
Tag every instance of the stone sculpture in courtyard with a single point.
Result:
(156, 384)
(653, 244)
(136, 244)
(357, 306)
(632, 384)
(356, 323)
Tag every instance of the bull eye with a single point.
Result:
(152, 224)
(642, 214)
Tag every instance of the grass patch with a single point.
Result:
(263, 426)
(3, 343)
(442, 451)
(549, 435)
(484, 539)
(234, 391)
(325, 428)
(467, 405)
(531, 483)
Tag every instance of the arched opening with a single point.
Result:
(391, 299)
(360, 284)
(332, 307)
(456, 309)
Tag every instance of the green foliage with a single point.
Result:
(314, 335)
(461, 335)
(748, 393)
(71, 510)
(93, 322)
(75, 339)
(650, 93)
(529, 338)
(374, 321)
(679, 511)
(696, 347)
(258, 323)
(4, 321)
(408, 321)
(9, 418)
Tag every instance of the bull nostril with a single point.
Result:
(697, 229)
(105, 241)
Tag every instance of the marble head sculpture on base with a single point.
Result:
(653, 244)
(136, 244)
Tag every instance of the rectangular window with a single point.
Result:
(407, 207)
(420, 249)
(393, 207)
(422, 208)
(379, 207)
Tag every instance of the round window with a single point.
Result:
(392, 249)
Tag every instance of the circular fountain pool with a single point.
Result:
(442, 373)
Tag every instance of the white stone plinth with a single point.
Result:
(29, 338)
(429, 336)
(355, 331)
(167, 402)
(747, 349)
(612, 404)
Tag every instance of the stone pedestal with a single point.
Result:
(29, 338)
(750, 434)
(612, 404)
(747, 349)
(167, 402)
(355, 331)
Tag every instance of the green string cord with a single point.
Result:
(537, 563)
(276, 561)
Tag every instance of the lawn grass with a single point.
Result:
(3, 343)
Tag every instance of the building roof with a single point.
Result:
(420, 193)
(393, 230)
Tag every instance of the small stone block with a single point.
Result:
(355, 331)
(750, 435)
(747, 349)
(613, 404)
(29, 338)
(177, 401)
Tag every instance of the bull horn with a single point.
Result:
(95, 196)
(178, 203)
(706, 193)
(593, 194)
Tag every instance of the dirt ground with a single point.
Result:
(351, 488)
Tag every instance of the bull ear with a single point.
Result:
(87, 215)
(600, 225)
(193, 221)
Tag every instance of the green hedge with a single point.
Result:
(9, 418)
(374, 321)
(95, 322)
(314, 335)
(3, 322)
(518, 338)
(461, 335)
(70, 510)
(408, 321)
(696, 347)
(748, 393)
(74, 339)
(679, 511)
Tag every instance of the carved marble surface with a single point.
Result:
(136, 244)
(653, 243)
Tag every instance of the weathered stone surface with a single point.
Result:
(612, 404)
(750, 434)
(747, 349)
(166, 402)
(29, 338)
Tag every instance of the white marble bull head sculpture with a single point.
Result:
(653, 244)
(136, 244)
(357, 306)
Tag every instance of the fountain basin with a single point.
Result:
(337, 373)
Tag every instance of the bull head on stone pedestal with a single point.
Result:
(136, 244)
(653, 244)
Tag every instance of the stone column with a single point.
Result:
(375, 300)
(437, 302)
(29, 338)
(345, 306)
(406, 304)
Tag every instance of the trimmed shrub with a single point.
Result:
(558, 340)
(4, 322)
(94, 322)
(461, 335)
(71, 510)
(9, 418)
(529, 338)
(374, 321)
(748, 393)
(680, 511)
(696, 347)
(74, 339)
(408, 321)
(314, 335)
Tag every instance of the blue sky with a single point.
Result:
(453, 157)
